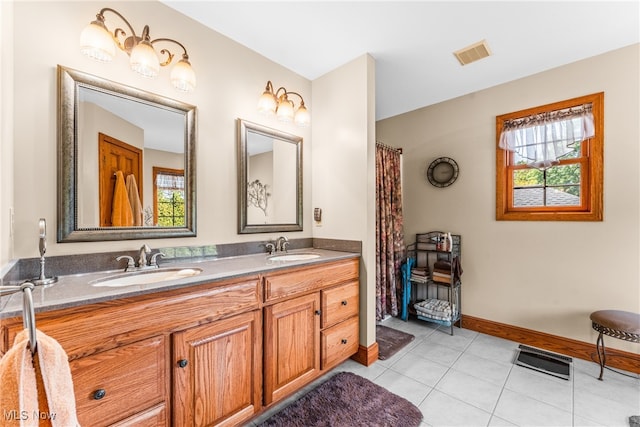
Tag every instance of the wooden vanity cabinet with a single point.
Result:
(213, 354)
(125, 355)
(311, 324)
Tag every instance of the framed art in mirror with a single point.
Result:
(126, 162)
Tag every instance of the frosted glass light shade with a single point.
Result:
(267, 103)
(285, 111)
(302, 116)
(97, 43)
(183, 77)
(144, 59)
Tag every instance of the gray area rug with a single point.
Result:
(390, 341)
(345, 400)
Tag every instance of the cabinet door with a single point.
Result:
(292, 345)
(217, 372)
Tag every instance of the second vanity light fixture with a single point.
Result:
(278, 103)
(97, 42)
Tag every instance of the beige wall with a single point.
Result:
(343, 168)
(97, 120)
(545, 276)
(230, 80)
(6, 133)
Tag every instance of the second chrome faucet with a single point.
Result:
(279, 245)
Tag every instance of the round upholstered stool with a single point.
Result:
(623, 325)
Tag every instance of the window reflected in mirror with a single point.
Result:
(168, 197)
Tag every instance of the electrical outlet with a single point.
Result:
(317, 217)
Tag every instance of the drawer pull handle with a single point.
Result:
(344, 302)
(344, 340)
(183, 362)
(318, 312)
(99, 394)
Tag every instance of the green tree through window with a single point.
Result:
(169, 198)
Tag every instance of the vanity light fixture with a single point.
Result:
(97, 42)
(278, 103)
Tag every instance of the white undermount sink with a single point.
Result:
(294, 257)
(145, 277)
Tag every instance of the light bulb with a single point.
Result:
(302, 116)
(144, 59)
(97, 43)
(182, 76)
(285, 110)
(267, 103)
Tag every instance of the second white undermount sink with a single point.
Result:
(145, 277)
(294, 257)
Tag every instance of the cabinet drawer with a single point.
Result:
(127, 320)
(339, 342)
(339, 303)
(307, 279)
(154, 417)
(121, 382)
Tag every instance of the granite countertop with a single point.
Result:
(75, 290)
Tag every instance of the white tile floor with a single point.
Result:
(469, 379)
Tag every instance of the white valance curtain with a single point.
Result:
(170, 182)
(544, 138)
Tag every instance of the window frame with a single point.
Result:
(592, 170)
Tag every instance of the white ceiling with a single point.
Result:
(413, 42)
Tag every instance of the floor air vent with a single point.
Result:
(544, 361)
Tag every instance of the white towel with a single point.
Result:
(134, 200)
(37, 391)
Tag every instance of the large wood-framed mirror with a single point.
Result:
(114, 138)
(269, 179)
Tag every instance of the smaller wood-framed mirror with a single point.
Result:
(269, 179)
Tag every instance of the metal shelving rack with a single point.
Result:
(423, 253)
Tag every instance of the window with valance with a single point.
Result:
(169, 201)
(549, 161)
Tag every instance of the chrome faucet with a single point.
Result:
(142, 256)
(281, 244)
(142, 264)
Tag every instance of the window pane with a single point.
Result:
(556, 196)
(527, 177)
(526, 197)
(562, 196)
(563, 174)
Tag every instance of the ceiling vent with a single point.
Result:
(473, 53)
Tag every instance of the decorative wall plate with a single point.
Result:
(442, 172)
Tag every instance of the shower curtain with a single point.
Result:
(390, 247)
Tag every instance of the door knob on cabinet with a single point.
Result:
(344, 341)
(318, 312)
(344, 302)
(99, 394)
(183, 362)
